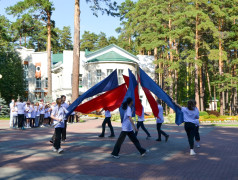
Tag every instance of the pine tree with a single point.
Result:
(4, 109)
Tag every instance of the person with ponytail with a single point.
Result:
(127, 130)
(191, 121)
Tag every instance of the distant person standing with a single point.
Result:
(37, 114)
(20, 112)
(33, 115)
(14, 115)
(107, 121)
(28, 111)
(160, 121)
(140, 123)
(65, 105)
(42, 113)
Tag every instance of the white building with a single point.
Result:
(94, 67)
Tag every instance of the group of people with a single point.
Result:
(191, 125)
(31, 115)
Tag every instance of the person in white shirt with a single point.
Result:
(42, 113)
(46, 117)
(14, 115)
(127, 130)
(28, 111)
(11, 105)
(159, 122)
(140, 123)
(191, 120)
(37, 112)
(107, 120)
(20, 113)
(58, 115)
(65, 105)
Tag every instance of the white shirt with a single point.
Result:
(107, 113)
(126, 123)
(21, 107)
(37, 110)
(42, 111)
(160, 119)
(142, 117)
(33, 112)
(28, 110)
(191, 115)
(59, 112)
(14, 111)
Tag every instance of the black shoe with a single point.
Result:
(158, 140)
(51, 141)
(111, 136)
(166, 138)
(101, 135)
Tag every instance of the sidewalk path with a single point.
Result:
(27, 154)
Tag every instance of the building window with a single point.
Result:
(46, 82)
(99, 75)
(109, 71)
(120, 76)
(80, 80)
(38, 82)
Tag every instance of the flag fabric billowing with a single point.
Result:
(109, 83)
(130, 93)
(138, 105)
(110, 100)
(148, 83)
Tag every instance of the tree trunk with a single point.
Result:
(49, 55)
(220, 69)
(215, 98)
(201, 91)
(196, 66)
(76, 51)
(209, 85)
(156, 66)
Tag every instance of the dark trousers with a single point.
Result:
(42, 117)
(121, 139)
(197, 135)
(190, 129)
(20, 120)
(58, 133)
(141, 124)
(158, 125)
(49, 120)
(71, 118)
(107, 121)
(64, 131)
(32, 122)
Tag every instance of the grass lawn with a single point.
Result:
(2, 118)
(225, 125)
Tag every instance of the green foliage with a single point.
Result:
(171, 118)
(203, 113)
(4, 109)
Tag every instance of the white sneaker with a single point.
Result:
(116, 157)
(60, 150)
(192, 153)
(146, 152)
(53, 149)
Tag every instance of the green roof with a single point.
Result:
(57, 58)
(110, 56)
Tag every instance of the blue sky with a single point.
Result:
(64, 16)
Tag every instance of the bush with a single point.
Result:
(214, 113)
(4, 110)
(171, 118)
(203, 113)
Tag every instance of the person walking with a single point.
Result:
(58, 115)
(159, 122)
(107, 121)
(140, 123)
(127, 130)
(65, 105)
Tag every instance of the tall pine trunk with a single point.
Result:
(201, 91)
(49, 54)
(221, 94)
(196, 59)
(76, 51)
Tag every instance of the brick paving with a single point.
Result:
(27, 154)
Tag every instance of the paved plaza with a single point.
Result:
(27, 154)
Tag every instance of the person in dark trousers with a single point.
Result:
(140, 123)
(197, 136)
(107, 120)
(127, 130)
(58, 115)
(159, 122)
(191, 120)
(65, 105)
(21, 113)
